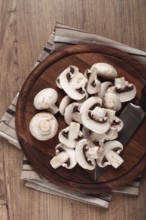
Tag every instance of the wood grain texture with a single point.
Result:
(24, 28)
(40, 153)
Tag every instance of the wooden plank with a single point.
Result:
(3, 194)
(25, 26)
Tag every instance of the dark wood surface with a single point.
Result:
(39, 153)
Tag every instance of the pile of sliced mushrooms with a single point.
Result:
(90, 111)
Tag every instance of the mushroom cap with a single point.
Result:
(72, 113)
(115, 146)
(46, 99)
(73, 83)
(105, 70)
(43, 126)
(93, 84)
(111, 101)
(81, 157)
(63, 104)
(65, 157)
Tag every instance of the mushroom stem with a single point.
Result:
(114, 159)
(59, 159)
(53, 109)
(74, 129)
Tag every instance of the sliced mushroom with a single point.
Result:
(103, 88)
(109, 154)
(58, 82)
(117, 123)
(111, 115)
(72, 113)
(91, 103)
(105, 70)
(46, 99)
(123, 89)
(93, 116)
(126, 91)
(71, 135)
(65, 157)
(43, 126)
(63, 104)
(111, 101)
(73, 83)
(84, 156)
(95, 138)
(93, 84)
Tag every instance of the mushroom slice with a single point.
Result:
(43, 126)
(123, 89)
(91, 103)
(73, 83)
(111, 101)
(126, 91)
(105, 70)
(93, 116)
(96, 139)
(65, 157)
(117, 123)
(46, 99)
(111, 115)
(109, 154)
(71, 135)
(58, 82)
(63, 104)
(93, 84)
(96, 120)
(84, 156)
(103, 88)
(72, 113)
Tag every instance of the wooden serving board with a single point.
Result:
(40, 153)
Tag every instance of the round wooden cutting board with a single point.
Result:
(40, 153)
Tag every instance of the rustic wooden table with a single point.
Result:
(24, 28)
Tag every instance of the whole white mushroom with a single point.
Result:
(46, 99)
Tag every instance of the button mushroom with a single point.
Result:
(93, 84)
(126, 91)
(105, 70)
(70, 135)
(65, 157)
(84, 155)
(73, 83)
(43, 126)
(46, 99)
(72, 113)
(109, 154)
(93, 116)
(123, 89)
